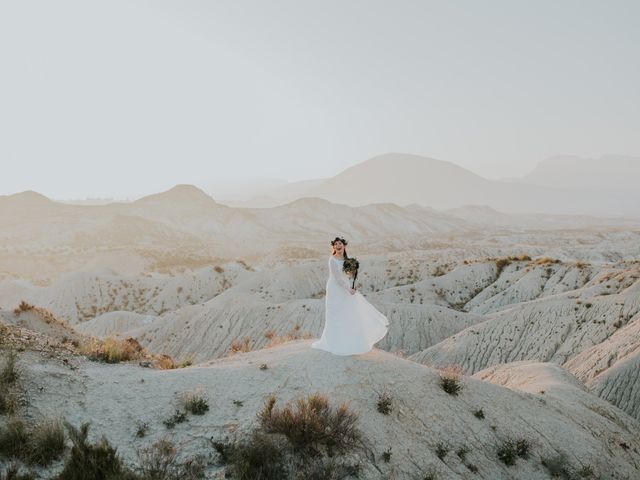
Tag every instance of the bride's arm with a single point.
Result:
(338, 275)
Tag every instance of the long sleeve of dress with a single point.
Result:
(337, 274)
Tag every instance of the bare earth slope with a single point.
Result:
(115, 397)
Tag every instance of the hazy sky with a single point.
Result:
(123, 98)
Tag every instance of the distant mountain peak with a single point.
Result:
(28, 197)
(180, 193)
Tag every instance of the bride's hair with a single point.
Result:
(344, 242)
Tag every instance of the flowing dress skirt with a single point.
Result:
(352, 325)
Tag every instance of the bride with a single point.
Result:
(352, 325)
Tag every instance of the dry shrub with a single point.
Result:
(269, 334)
(501, 264)
(87, 460)
(23, 307)
(294, 334)
(46, 442)
(14, 440)
(165, 362)
(312, 424)
(298, 442)
(41, 444)
(159, 461)
(260, 457)
(9, 375)
(243, 345)
(504, 262)
(112, 350)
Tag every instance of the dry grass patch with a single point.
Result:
(112, 350)
(294, 334)
(164, 362)
(243, 345)
(9, 375)
(546, 261)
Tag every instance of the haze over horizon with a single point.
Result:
(123, 99)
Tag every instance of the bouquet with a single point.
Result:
(350, 267)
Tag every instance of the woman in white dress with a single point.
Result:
(352, 325)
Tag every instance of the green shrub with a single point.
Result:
(195, 402)
(479, 414)
(178, 417)
(441, 450)
(511, 449)
(450, 380)
(384, 403)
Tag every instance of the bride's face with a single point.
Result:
(339, 247)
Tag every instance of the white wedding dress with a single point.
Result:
(352, 325)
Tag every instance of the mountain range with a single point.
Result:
(559, 185)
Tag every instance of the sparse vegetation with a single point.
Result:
(311, 424)
(178, 417)
(441, 450)
(384, 403)
(261, 456)
(304, 439)
(9, 375)
(186, 363)
(386, 455)
(294, 334)
(479, 413)
(111, 350)
(559, 467)
(462, 452)
(450, 380)
(546, 261)
(91, 460)
(23, 307)
(46, 442)
(159, 461)
(165, 362)
(501, 264)
(141, 429)
(14, 440)
(243, 345)
(513, 448)
(195, 402)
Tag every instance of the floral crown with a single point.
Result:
(338, 239)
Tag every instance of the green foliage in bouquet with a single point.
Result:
(350, 267)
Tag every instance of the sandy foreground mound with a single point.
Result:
(564, 419)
